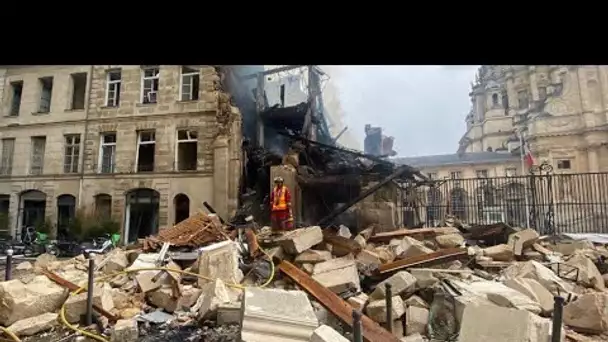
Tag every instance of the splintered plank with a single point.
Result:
(372, 332)
(442, 255)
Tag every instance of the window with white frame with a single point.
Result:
(511, 172)
(114, 80)
(37, 157)
(482, 173)
(8, 149)
(72, 153)
(107, 152)
(149, 84)
(185, 154)
(189, 84)
(146, 145)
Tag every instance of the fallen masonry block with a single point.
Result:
(534, 290)
(220, 260)
(401, 282)
(416, 319)
(20, 301)
(214, 294)
(522, 239)
(588, 314)
(497, 324)
(229, 313)
(449, 240)
(416, 301)
(413, 247)
(34, 325)
(164, 298)
(313, 257)
(501, 252)
(76, 305)
(299, 240)
(376, 310)
(326, 333)
(537, 271)
(24, 266)
(503, 296)
(359, 301)
(413, 338)
(117, 261)
(588, 274)
(367, 257)
(125, 330)
(371, 330)
(338, 275)
(272, 315)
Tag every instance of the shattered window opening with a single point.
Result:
(113, 88)
(46, 92)
(186, 153)
(190, 81)
(37, 158)
(79, 87)
(72, 153)
(149, 84)
(146, 145)
(107, 152)
(17, 90)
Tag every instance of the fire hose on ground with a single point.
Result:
(100, 338)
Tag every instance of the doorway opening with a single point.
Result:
(141, 219)
(33, 204)
(181, 203)
(66, 212)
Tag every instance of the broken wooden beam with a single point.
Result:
(73, 287)
(371, 331)
(343, 243)
(441, 255)
(419, 233)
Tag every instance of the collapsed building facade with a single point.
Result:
(286, 133)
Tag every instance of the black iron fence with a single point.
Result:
(543, 200)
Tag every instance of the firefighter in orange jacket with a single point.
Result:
(281, 216)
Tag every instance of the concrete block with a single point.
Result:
(402, 282)
(299, 240)
(326, 333)
(588, 314)
(376, 310)
(497, 324)
(534, 290)
(34, 325)
(449, 240)
(76, 306)
(521, 240)
(338, 275)
(272, 315)
(220, 260)
(214, 294)
(501, 252)
(416, 319)
(416, 301)
(359, 301)
(588, 274)
(125, 330)
(504, 296)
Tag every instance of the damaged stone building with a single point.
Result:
(144, 145)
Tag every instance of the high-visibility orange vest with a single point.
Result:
(279, 202)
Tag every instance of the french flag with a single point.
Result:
(527, 154)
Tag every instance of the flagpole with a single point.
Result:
(523, 170)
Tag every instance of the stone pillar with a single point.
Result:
(221, 175)
(289, 175)
(592, 159)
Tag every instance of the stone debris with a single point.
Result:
(34, 325)
(299, 240)
(125, 330)
(445, 282)
(326, 333)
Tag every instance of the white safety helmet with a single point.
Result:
(278, 179)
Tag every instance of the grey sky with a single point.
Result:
(423, 107)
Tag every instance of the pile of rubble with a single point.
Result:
(444, 284)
